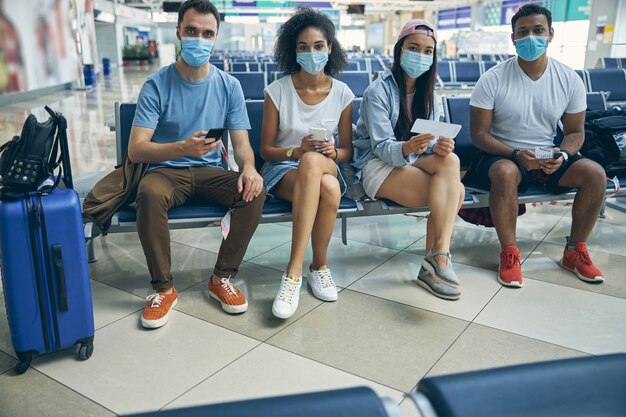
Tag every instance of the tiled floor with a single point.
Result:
(384, 331)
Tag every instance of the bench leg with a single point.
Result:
(617, 203)
(91, 251)
(89, 237)
(344, 229)
(602, 214)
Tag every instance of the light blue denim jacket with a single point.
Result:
(378, 115)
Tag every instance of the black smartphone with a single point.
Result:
(215, 133)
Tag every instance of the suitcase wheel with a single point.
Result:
(85, 351)
(23, 363)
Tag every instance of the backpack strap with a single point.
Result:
(60, 148)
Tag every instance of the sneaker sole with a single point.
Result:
(282, 316)
(230, 309)
(512, 284)
(428, 288)
(320, 297)
(581, 276)
(431, 269)
(155, 324)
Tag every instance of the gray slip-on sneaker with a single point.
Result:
(443, 273)
(437, 287)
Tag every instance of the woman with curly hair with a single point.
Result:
(302, 168)
(414, 170)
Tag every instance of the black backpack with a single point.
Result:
(605, 140)
(31, 158)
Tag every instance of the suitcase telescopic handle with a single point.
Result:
(58, 262)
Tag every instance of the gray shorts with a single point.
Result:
(374, 173)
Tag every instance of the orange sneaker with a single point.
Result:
(510, 270)
(232, 300)
(578, 261)
(157, 311)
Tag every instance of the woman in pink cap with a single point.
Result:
(414, 170)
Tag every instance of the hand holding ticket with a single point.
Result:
(447, 130)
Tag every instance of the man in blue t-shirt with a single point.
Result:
(176, 108)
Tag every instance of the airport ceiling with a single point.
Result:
(371, 6)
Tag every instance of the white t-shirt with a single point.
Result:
(296, 117)
(526, 112)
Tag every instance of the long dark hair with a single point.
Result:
(285, 46)
(423, 103)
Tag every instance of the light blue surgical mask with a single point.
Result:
(531, 47)
(312, 62)
(415, 64)
(196, 51)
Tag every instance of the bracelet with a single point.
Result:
(336, 154)
(514, 155)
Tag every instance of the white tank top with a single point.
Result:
(296, 117)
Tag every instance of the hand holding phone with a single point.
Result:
(544, 153)
(215, 133)
(318, 133)
(200, 143)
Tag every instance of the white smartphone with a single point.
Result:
(544, 153)
(317, 133)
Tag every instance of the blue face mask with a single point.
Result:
(531, 47)
(312, 62)
(415, 64)
(196, 51)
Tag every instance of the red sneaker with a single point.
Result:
(157, 310)
(510, 270)
(579, 262)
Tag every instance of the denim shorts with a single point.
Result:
(273, 172)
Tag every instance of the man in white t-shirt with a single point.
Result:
(514, 112)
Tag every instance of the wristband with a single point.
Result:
(514, 155)
(336, 154)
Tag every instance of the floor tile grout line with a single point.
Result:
(486, 304)
(373, 269)
(112, 258)
(33, 368)
(222, 326)
(408, 305)
(536, 340)
(334, 367)
(260, 254)
(322, 303)
(445, 351)
(244, 260)
(117, 320)
(212, 374)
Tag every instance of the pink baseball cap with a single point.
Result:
(410, 28)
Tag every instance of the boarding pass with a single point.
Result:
(447, 130)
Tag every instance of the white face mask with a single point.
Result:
(415, 64)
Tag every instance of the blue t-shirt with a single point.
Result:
(176, 108)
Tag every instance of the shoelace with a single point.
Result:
(511, 259)
(156, 299)
(228, 287)
(288, 291)
(326, 280)
(583, 256)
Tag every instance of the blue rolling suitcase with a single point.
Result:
(45, 275)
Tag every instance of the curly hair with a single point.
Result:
(285, 46)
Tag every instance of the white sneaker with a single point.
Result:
(286, 301)
(322, 285)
